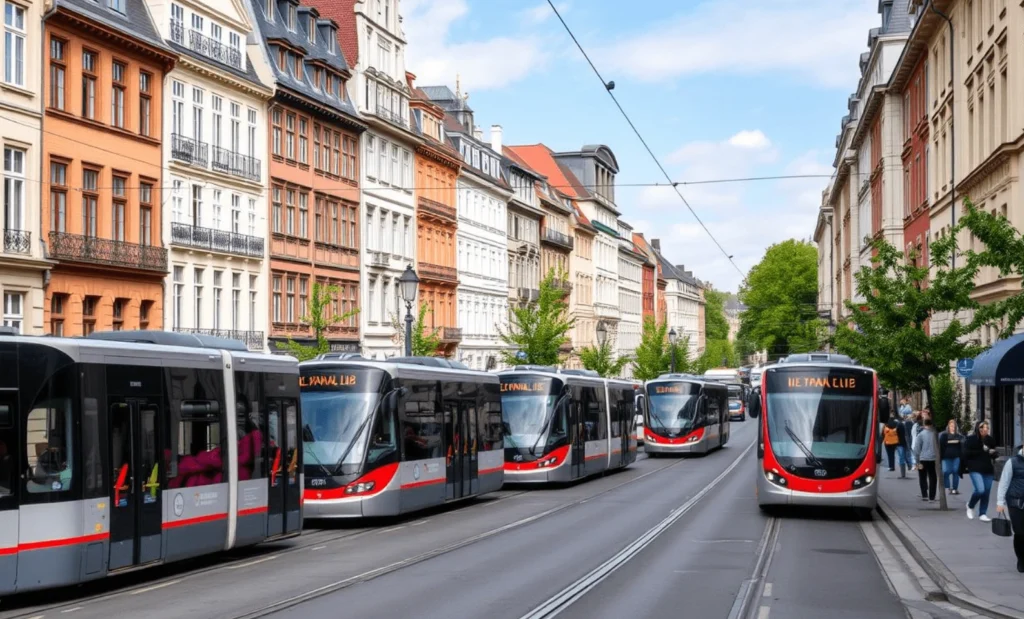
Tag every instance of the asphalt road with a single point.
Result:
(665, 538)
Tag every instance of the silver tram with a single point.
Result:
(563, 425)
(129, 449)
(385, 438)
(685, 414)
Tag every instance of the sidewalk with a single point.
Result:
(961, 555)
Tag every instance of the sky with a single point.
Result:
(718, 88)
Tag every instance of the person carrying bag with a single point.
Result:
(1010, 498)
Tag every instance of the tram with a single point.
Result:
(564, 425)
(685, 414)
(383, 438)
(817, 436)
(129, 449)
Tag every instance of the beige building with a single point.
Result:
(23, 267)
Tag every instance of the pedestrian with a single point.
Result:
(979, 450)
(904, 408)
(904, 454)
(950, 442)
(924, 453)
(908, 435)
(891, 439)
(1010, 498)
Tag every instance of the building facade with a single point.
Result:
(314, 162)
(23, 265)
(631, 275)
(684, 301)
(102, 167)
(524, 233)
(649, 287)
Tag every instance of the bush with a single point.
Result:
(947, 402)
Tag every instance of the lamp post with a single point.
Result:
(409, 281)
(672, 338)
(602, 334)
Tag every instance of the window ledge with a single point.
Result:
(21, 90)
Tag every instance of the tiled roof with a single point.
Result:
(135, 22)
(540, 158)
(343, 12)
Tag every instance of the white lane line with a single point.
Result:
(767, 589)
(401, 526)
(416, 524)
(581, 587)
(256, 562)
(318, 547)
(762, 613)
(724, 541)
(70, 610)
(37, 617)
(155, 587)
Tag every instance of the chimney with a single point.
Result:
(656, 244)
(496, 138)
(478, 133)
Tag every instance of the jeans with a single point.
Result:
(951, 473)
(890, 451)
(926, 476)
(904, 456)
(982, 483)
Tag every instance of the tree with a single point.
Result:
(716, 326)
(601, 359)
(654, 354)
(781, 295)
(425, 341)
(322, 297)
(717, 353)
(538, 329)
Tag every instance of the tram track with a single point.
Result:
(752, 589)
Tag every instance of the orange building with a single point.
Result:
(314, 181)
(437, 170)
(102, 168)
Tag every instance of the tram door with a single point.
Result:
(9, 445)
(282, 442)
(135, 496)
(578, 434)
(459, 440)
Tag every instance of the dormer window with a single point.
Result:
(330, 85)
(291, 17)
(269, 9)
(317, 74)
(330, 41)
(312, 29)
(298, 66)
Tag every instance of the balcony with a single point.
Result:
(188, 150)
(527, 294)
(17, 242)
(438, 272)
(392, 117)
(253, 340)
(105, 252)
(380, 259)
(237, 164)
(437, 209)
(216, 240)
(561, 284)
(554, 237)
(451, 334)
(205, 46)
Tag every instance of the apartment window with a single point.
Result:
(290, 136)
(14, 188)
(289, 303)
(384, 175)
(197, 114)
(303, 296)
(90, 197)
(58, 71)
(89, 62)
(303, 215)
(235, 41)
(236, 213)
(197, 294)
(89, 305)
(14, 44)
(217, 105)
(177, 108)
(395, 179)
(275, 118)
(116, 5)
(236, 299)
(117, 95)
(253, 280)
(58, 196)
(348, 168)
(325, 152)
(197, 22)
(146, 214)
(303, 140)
(407, 170)
(277, 298)
(57, 304)
(144, 309)
(318, 220)
(289, 222)
(14, 303)
(336, 160)
(118, 313)
(119, 194)
(371, 157)
(217, 277)
(252, 130)
(179, 296)
(316, 146)
(277, 210)
(252, 217)
(145, 103)
(197, 205)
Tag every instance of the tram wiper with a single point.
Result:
(310, 438)
(355, 437)
(808, 454)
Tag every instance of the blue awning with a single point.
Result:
(1003, 364)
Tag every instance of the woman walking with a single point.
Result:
(949, 451)
(979, 450)
(1011, 497)
(924, 453)
(891, 438)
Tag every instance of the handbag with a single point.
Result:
(1001, 526)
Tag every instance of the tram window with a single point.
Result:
(8, 404)
(252, 425)
(594, 407)
(195, 420)
(493, 429)
(421, 422)
(91, 449)
(560, 422)
(48, 428)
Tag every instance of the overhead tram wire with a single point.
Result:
(608, 88)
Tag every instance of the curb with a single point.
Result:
(954, 590)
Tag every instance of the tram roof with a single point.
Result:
(400, 366)
(567, 375)
(687, 378)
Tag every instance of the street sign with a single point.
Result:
(964, 367)
(520, 355)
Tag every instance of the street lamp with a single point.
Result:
(672, 338)
(602, 334)
(408, 282)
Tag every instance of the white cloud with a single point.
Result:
(542, 12)
(483, 64)
(819, 41)
(750, 139)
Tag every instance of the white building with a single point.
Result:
(387, 176)
(683, 301)
(22, 263)
(631, 273)
(215, 128)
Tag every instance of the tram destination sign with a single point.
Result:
(525, 386)
(338, 380)
(832, 381)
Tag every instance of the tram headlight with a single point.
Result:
(547, 462)
(774, 477)
(863, 480)
(693, 439)
(360, 488)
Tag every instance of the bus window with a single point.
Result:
(48, 436)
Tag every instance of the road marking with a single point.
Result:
(401, 526)
(748, 590)
(257, 561)
(762, 613)
(155, 587)
(724, 541)
(416, 524)
(318, 547)
(767, 589)
(584, 585)
(70, 610)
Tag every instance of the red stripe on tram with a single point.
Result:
(426, 482)
(252, 511)
(55, 543)
(199, 520)
(489, 471)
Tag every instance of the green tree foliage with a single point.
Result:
(540, 328)
(716, 326)
(426, 342)
(602, 360)
(317, 317)
(781, 295)
(947, 400)
(717, 353)
(654, 354)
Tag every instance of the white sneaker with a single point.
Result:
(985, 518)
(970, 513)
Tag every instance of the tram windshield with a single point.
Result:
(337, 409)
(673, 407)
(820, 417)
(526, 405)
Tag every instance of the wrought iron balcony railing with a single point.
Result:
(392, 117)
(242, 166)
(17, 242)
(438, 272)
(437, 209)
(564, 285)
(380, 259)
(106, 252)
(216, 240)
(189, 150)
(557, 238)
(205, 46)
(253, 340)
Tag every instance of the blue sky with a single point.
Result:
(719, 88)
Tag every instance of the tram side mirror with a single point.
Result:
(754, 403)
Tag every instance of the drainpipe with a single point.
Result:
(952, 128)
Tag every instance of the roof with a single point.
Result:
(135, 22)
(671, 271)
(316, 52)
(541, 158)
(343, 12)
